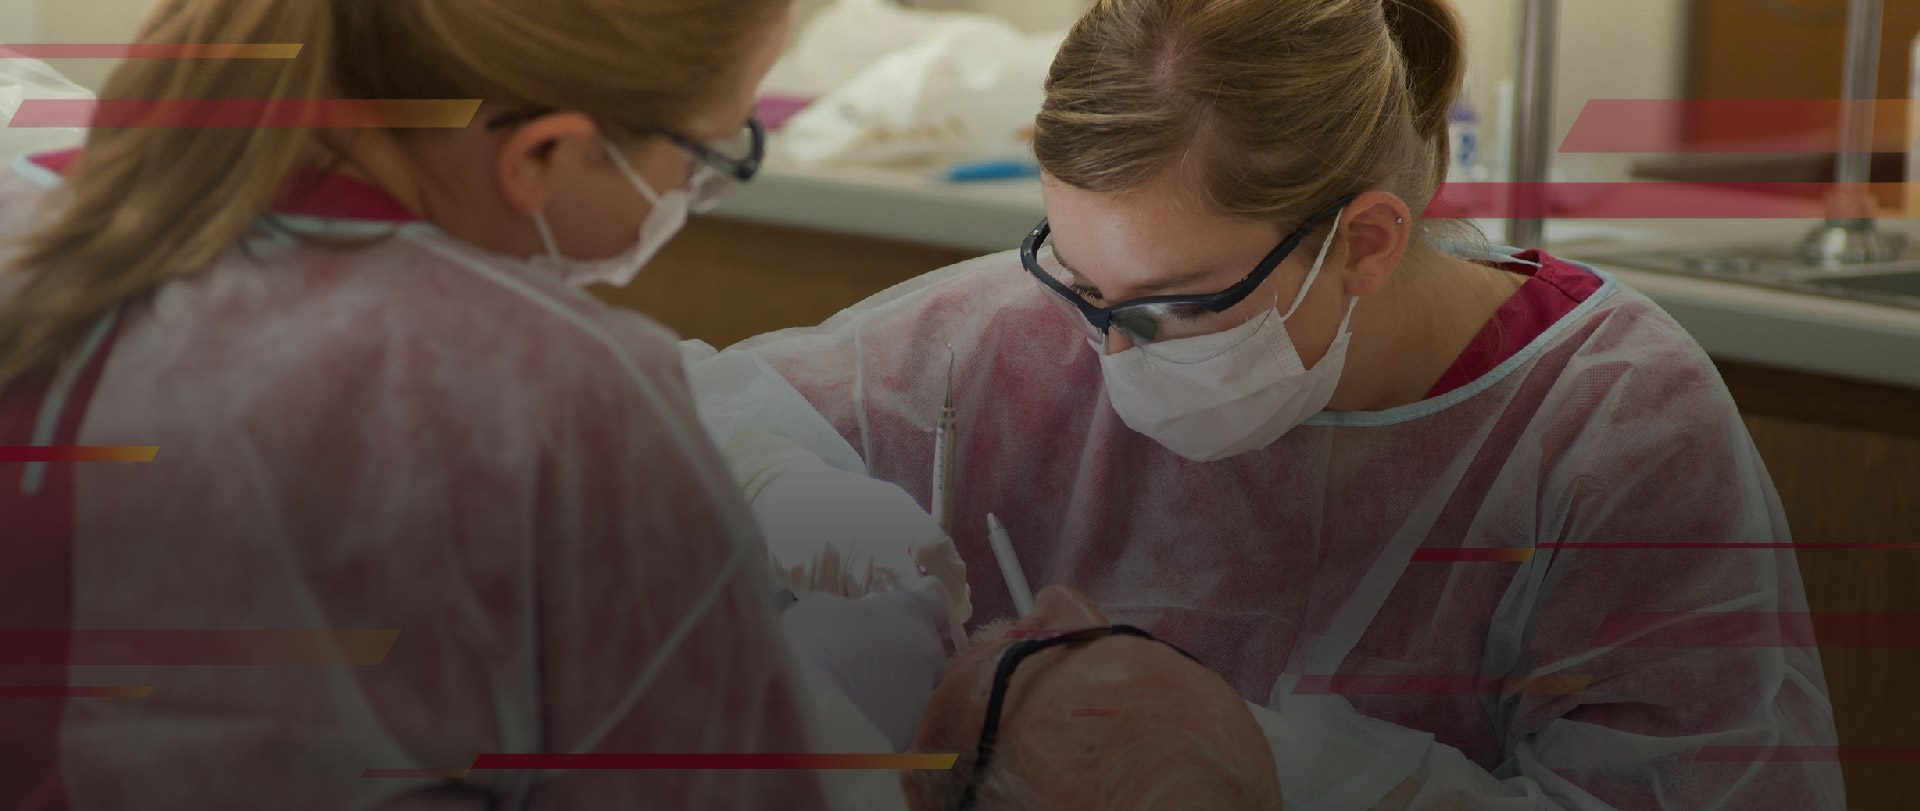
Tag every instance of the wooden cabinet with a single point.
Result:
(1786, 49)
(1782, 49)
(1845, 456)
(723, 281)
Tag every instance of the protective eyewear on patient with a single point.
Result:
(718, 168)
(1010, 659)
(1147, 322)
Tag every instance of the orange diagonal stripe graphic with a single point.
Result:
(78, 454)
(245, 113)
(147, 50)
(321, 648)
(718, 762)
(76, 692)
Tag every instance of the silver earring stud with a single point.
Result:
(1399, 221)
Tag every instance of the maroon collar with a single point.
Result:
(1553, 289)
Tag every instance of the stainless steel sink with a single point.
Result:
(1899, 285)
(1892, 283)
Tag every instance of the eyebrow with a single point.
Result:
(1151, 288)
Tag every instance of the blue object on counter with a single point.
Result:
(992, 170)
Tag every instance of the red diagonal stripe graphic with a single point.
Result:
(1667, 201)
(1757, 629)
(31, 648)
(1773, 125)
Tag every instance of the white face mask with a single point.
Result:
(668, 216)
(1229, 403)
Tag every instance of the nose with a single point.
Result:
(1117, 343)
(1060, 608)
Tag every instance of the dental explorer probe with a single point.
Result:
(944, 481)
(943, 457)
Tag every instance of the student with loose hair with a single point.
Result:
(1242, 394)
(382, 404)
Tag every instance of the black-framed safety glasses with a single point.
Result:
(1155, 319)
(1003, 676)
(720, 167)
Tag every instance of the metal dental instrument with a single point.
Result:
(944, 480)
(943, 457)
(1009, 566)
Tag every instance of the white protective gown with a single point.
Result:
(1297, 560)
(413, 436)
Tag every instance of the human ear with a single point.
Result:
(1378, 228)
(539, 156)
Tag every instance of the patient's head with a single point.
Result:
(1117, 722)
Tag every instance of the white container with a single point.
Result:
(1469, 144)
(1035, 16)
(1032, 16)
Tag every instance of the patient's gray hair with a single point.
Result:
(1001, 789)
(1178, 771)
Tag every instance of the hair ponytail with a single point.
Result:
(1432, 44)
(1270, 109)
(143, 206)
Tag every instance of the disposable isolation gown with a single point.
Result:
(1298, 561)
(410, 436)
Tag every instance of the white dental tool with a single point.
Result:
(944, 482)
(943, 457)
(1009, 566)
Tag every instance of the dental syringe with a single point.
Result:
(944, 481)
(943, 457)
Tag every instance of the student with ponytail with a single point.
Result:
(416, 498)
(1240, 393)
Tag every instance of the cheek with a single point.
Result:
(598, 220)
(663, 165)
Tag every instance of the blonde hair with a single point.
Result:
(1269, 109)
(143, 206)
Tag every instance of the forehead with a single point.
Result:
(1149, 232)
(1112, 660)
(725, 114)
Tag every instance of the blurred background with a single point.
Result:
(1824, 362)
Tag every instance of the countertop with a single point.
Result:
(1734, 321)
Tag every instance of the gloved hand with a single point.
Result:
(883, 650)
(841, 533)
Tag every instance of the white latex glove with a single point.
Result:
(883, 651)
(836, 726)
(842, 533)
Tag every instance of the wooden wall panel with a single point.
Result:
(1851, 485)
(722, 281)
(1762, 49)
(1782, 49)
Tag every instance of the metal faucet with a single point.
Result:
(1533, 117)
(1848, 238)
